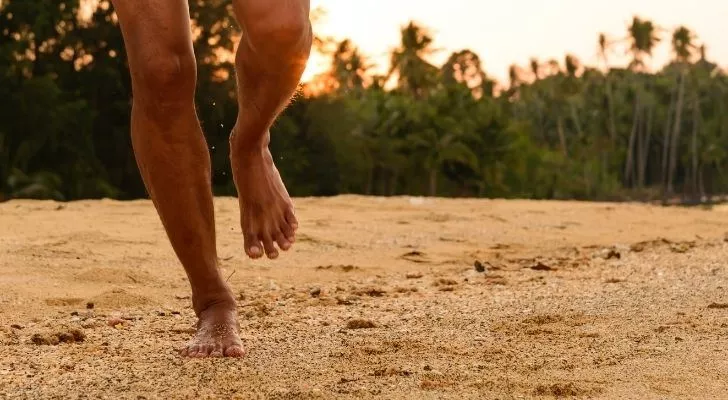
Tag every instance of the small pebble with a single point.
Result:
(115, 321)
(479, 266)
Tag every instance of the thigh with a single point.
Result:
(154, 30)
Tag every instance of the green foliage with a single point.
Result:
(558, 131)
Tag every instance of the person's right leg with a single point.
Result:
(174, 161)
(271, 58)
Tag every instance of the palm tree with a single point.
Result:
(464, 67)
(382, 119)
(603, 50)
(682, 47)
(348, 67)
(571, 64)
(683, 44)
(439, 146)
(571, 87)
(408, 61)
(514, 77)
(643, 36)
(644, 140)
(441, 132)
(535, 69)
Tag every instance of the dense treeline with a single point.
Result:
(556, 130)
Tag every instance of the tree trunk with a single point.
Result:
(370, 181)
(694, 146)
(539, 114)
(393, 182)
(628, 166)
(676, 134)
(562, 136)
(587, 181)
(433, 182)
(667, 135)
(575, 118)
(4, 164)
(701, 183)
(383, 182)
(610, 109)
(645, 154)
(641, 130)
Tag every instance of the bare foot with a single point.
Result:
(217, 334)
(266, 210)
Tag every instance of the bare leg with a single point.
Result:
(173, 159)
(270, 60)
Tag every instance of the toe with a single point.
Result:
(196, 352)
(270, 248)
(191, 351)
(204, 351)
(291, 219)
(283, 243)
(234, 351)
(217, 351)
(253, 247)
(288, 233)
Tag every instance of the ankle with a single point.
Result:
(246, 152)
(244, 143)
(222, 300)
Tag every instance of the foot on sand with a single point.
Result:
(217, 334)
(266, 210)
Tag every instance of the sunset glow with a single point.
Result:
(507, 32)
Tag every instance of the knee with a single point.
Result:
(166, 78)
(280, 27)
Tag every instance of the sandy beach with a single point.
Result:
(380, 298)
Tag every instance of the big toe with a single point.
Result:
(255, 251)
(253, 247)
(234, 351)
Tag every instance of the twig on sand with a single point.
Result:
(231, 275)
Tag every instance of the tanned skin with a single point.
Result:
(172, 154)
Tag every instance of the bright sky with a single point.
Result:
(506, 31)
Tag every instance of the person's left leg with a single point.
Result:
(271, 58)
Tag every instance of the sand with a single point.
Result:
(381, 298)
